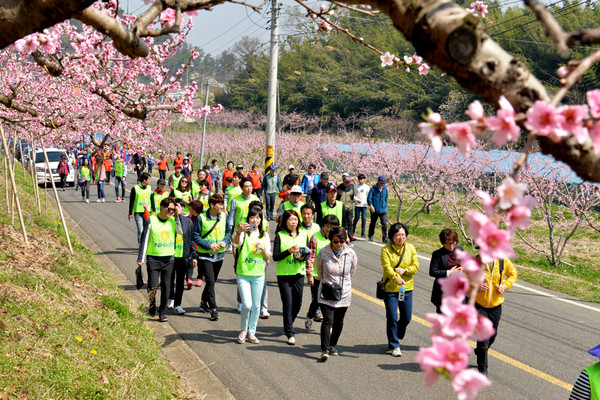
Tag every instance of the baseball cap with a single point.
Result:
(381, 179)
(296, 190)
(324, 175)
(161, 182)
(272, 166)
(331, 187)
(291, 166)
(346, 177)
(239, 167)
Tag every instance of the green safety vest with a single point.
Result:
(593, 372)
(232, 192)
(314, 228)
(158, 198)
(196, 189)
(119, 169)
(289, 206)
(289, 265)
(322, 242)
(336, 210)
(85, 173)
(250, 261)
(187, 196)
(203, 198)
(161, 240)
(241, 208)
(176, 180)
(217, 235)
(178, 245)
(142, 197)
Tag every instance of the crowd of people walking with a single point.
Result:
(185, 226)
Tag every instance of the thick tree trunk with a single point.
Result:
(19, 18)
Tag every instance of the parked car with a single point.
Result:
(42, 175)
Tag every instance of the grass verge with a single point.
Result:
(66, 329)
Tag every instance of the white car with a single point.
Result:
(43, 175)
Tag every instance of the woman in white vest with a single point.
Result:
(254, 251)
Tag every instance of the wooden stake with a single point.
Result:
(7, 191)
(14, 187)
(22, 165)
(36, 188)
(60, 210)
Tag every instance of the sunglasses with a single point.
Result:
(169, 209)
(338, 241)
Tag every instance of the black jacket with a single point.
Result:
(438, 268)
(189, 247)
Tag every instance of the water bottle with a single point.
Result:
(402, 292)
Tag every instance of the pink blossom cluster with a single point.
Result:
(543, 119)
(449, 354)
(516, 207)
(478, 8)
(407, 61)
(99, 88)
(47, 42)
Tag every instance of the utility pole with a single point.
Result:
(272, 95)
(204, 129)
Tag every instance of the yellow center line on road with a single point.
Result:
(492, 353)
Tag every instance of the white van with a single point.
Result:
(42, 175)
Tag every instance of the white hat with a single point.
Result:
(291, 166)
(296, 190)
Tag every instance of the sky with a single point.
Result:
(217, 30)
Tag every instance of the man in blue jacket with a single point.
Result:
(309, 181)
(377, 200)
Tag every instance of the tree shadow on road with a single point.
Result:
(409, 367)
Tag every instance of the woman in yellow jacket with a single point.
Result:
(400, 264)
(489, 302)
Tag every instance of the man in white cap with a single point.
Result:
(288, 178)
(294, 203)
(587, 385)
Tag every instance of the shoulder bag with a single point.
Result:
(380, 292)
(334, 291)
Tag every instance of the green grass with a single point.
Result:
(67, 331)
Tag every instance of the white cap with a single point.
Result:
(296, 190)
(291, 166)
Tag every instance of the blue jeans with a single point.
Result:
(360, 213)
(264, 300)
(120, 181)
(139, 222)
(270, 203)
(101, 190)
(250, 289)
(396, 328)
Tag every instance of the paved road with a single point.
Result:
(541, 348)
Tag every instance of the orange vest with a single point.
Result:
(162, 164)
(178, 161)
(255, 178)
(108, 165)
(227, 173)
